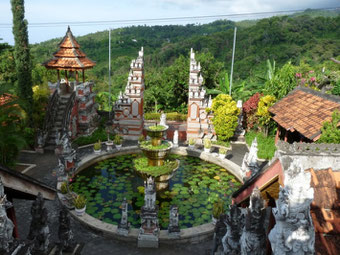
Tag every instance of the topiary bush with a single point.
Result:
(225, 116)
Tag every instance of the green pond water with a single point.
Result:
(195, 186)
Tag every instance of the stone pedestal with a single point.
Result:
(147, 241)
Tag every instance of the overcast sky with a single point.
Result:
(46, 11)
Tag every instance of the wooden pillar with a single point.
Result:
(11, 215)
(83, 76)
(77, 78)
(277, 133)
(286, 136)
(58, 73)
(66, 76)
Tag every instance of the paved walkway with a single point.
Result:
(95, 243)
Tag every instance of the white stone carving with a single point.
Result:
(135, 107)
(175, 139)
(249, 163)
(193, 111)
(294, 230)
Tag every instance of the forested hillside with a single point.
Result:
(300, 38)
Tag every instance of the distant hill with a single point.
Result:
(312, 35)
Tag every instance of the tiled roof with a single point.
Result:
(325, 210)
(304, 110)
(69, 56)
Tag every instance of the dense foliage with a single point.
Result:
(225, 116)
(330, 131)
(22, 59)
(300, 38)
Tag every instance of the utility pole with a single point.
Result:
(232, 62)
(110, 74)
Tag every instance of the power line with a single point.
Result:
(122, 21)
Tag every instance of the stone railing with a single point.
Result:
(51, 114)
(308, 148)
(67, 113)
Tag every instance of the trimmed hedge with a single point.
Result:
(169, 116)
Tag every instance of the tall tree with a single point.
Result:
(22, 56)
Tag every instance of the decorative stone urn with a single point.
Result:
(80, 212)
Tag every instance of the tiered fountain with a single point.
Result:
(154, 163)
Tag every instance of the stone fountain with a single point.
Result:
(157, 149)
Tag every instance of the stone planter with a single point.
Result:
(221, 156)
(97, 151)
(109, 146)
(118, 146)
(80, 212)
(207, 150)
(213, 220)
(191, 147)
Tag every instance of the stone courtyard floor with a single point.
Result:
(94, 243)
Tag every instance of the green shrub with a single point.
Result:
(169, 116)
(192, 141)
(141, 138)
(222, 151)
(98, 134)
(98, 145)
(63, 188)
(266, 145)
(157, 128)
(141, 164)
(330, 132)
(207, 143)
(79, 202)
(218, 208)
(117, 140)
(225, 116)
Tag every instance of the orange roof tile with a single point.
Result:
(69, 56)
(325, 210)
(305, 110)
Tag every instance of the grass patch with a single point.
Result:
(149, 146)
(169, 116)
(141, 165)
(266, 145)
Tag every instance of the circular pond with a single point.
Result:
(195, 186)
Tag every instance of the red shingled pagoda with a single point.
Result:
(69, 57)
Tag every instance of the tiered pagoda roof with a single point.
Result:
(69, 56)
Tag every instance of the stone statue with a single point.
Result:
(173, 228)
(249, 163)
(39, 230)
(124, 225)
(235, 222)
(6, 225)
(175, 140)
(41, 138)
(220, 231)
(149, 230)
(162, 121)
(293, 232)
(65, 233)
(253, 238)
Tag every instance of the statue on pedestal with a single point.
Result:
(294, 232)
(220, 231)
(149, 230)
(253, 238)
(39, 230)
(65, 233)
(249, 163)
(173, 228)
(235, 222)
(175, 140)
(6, 225)
(124, 225)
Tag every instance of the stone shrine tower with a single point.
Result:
(128, 119)
(71, 107)
(198, 123)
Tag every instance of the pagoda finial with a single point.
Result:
(68, 28)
